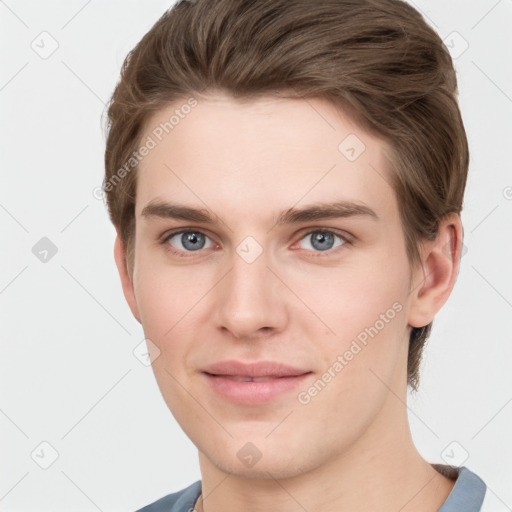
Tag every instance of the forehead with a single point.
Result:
(259, 156)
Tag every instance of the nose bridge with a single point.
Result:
(249, 278)
(249, 299)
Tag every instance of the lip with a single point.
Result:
(279, 379)
(258, 369)
(253, 392)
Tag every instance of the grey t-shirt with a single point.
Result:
(467, 494)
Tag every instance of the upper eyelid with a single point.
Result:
(347, 237)
(169, 234)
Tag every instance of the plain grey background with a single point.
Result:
(83, 424)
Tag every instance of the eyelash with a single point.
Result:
(347, 240)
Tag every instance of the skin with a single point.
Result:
(350, 447)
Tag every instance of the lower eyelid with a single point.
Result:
(165, 240)
(344, 238)
(168, 237)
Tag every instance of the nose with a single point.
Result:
(250, 300)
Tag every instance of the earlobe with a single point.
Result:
(126, 279)
(434, 281)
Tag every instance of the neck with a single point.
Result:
(381, 471)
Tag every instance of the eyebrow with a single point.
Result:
(317, 211)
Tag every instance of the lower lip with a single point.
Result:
(253, 392)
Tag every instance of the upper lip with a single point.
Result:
(258, 369)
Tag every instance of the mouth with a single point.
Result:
(240, 378)
(253, 391)
(253, 370)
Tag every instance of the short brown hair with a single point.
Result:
(377, 59)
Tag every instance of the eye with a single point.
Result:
(187, 241)
(322, 240)
(182, 242)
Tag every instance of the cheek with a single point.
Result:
(365, 359)
(376, 293)
(352, 298)
(172, 302)
(365, 307)
(166, 303)
(157, 303)
(165, 294)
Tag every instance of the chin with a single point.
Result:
(273, 462)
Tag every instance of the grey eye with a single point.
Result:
(322, 240)
(189, 240)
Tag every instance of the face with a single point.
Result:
(325, 294)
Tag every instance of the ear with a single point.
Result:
(434, 279)
(126, 279)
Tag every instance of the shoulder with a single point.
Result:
(467, 494)
(181, 501)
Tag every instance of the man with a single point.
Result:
(286, 179)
